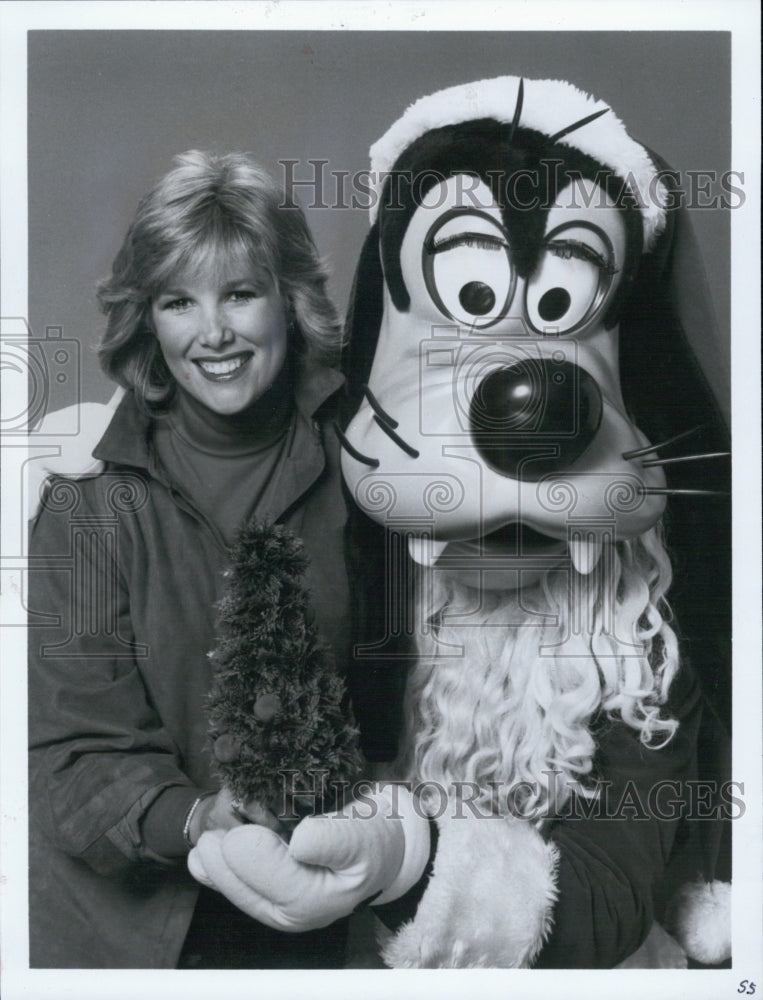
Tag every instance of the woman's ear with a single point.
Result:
(291, 316)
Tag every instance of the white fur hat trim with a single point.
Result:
(548, 107)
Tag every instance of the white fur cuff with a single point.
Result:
(489, 901)
(417, 841)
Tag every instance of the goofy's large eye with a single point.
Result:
(467, 269)
(571, 280)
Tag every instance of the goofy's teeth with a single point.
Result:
(425, 551)
(585, 553)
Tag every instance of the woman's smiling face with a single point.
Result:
(223, 333)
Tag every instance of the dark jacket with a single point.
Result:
(125, 574)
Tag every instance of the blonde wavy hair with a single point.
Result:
(518, 702)
(208, 210)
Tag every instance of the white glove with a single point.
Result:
(75, 452)
(376, 848)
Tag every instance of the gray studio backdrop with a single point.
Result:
(108, 110)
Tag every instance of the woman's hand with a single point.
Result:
(222, 811)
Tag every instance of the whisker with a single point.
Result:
(353, 452)
(517, 109)
(659, 491)
(572, 128)
(397, 439)
(377, 408)
(684, 458)
(638, 452)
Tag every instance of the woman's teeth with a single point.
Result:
(223, 367)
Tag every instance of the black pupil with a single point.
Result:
(554, 303)
(477, 298)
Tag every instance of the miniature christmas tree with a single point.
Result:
(279, 720)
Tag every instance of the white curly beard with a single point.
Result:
(506, 684)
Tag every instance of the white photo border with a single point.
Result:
(741, 19)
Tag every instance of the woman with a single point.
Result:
(219, 327)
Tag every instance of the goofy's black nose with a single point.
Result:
(534, 417)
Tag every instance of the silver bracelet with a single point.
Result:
(187, 825)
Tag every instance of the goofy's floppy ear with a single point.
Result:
(364, 315)
(377, 672)
(669, 338)
(667, 326)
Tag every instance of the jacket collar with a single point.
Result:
(126, 441)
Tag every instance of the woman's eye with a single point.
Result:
(567, 286)
(469, 276)
(243, 295)
(176, 305)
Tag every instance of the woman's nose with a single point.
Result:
(215, 332)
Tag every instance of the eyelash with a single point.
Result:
(580, 251)
(560, 248)
(478, 240)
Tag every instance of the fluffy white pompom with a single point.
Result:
(699, 917)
